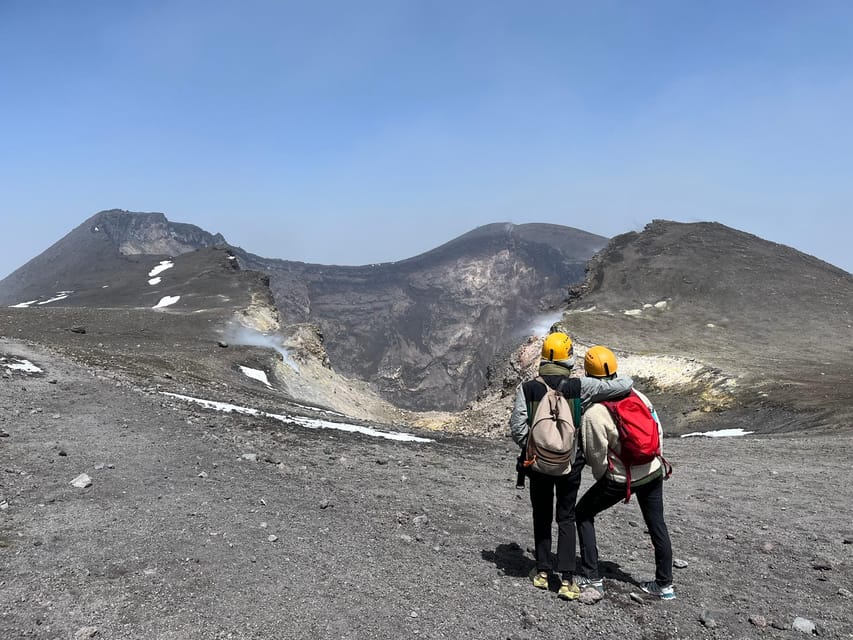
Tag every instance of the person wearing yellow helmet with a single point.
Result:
(605, 445)
(555, 370)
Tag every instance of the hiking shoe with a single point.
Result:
(590, 583)
(568, 591)
(540, 580)
(665, 592)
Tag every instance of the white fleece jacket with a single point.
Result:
(599, 434)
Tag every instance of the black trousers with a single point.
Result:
(603, 495)
(543, 491)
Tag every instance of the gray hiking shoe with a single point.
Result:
(665, 592)
(590, 583)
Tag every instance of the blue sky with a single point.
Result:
(349, 133)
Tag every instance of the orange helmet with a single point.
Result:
(557, 346)
(599, 362)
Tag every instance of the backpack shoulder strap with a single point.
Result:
(576, 412)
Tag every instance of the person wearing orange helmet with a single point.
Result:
(555, 370)
(604, 453)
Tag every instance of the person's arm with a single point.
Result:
(518, 427)
(660, 429)
(596, 389)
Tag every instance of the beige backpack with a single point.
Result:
(552, 440)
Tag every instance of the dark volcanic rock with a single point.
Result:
(107, 246)
(424, 330)
(777, 322)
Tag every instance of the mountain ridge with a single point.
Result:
(714, 322)
(410, 328)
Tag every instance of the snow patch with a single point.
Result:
(632, 312)
(722, 433)
(20, 364)
(23, 305)
(160, 268)
(60, 295)
(308, 423)
(156, 280)
(256, 374)
(166, 301)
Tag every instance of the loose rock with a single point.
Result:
(85, 632)
(678, 563)
(758, 621)
(82, 481)
(804, 625)
(590, 596)
(707, 619)
(822, 564)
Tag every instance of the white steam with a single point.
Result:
(238, 334)
(541, 325)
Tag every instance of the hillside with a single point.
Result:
(421, 331)
(110, 245)
(424, 330)
(718, 325)
(772, 326)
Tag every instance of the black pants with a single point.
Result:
(543, 489)
(603, 495)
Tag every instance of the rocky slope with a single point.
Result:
(424, 330)
(107, 244)
(718, 326)
(759, 327)
(421, 331)
(715, 323)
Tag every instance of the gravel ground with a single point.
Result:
(184, 533)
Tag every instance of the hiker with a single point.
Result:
(555, 367)
(616, 479)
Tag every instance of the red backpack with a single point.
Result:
(639, 435)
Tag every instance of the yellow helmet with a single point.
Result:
(557, 346)
(599, 362)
